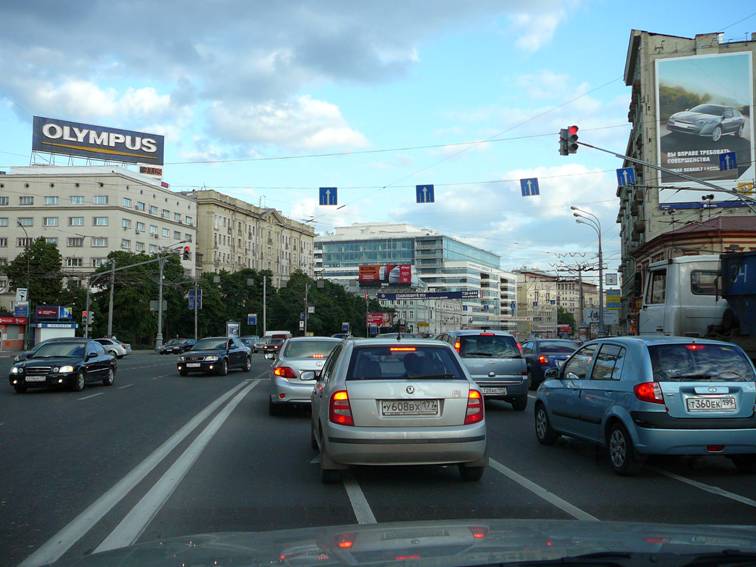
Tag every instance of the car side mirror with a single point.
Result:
(551, 374)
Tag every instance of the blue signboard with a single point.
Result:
(625, 176)
(728, 160)
(21, 310)
(252, 319)
(191, 299)
(529, 187)
(424, 194)
(328, 196)
(345, 327)
(65, 313)
(466, 294)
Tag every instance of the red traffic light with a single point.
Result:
(185, 255)
(572, 130)
(572, 139)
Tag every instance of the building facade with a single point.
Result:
(234, 235)
(537, 297)
(568, 297)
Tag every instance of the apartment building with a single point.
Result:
(568, 297)
(537, 296)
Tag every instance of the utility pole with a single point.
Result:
(27, 333)
(306, 307)
(602, 328)
(580, 295)
(159, 337)
(367, 325)
(265, 304)
(196, 307)
(110, 300)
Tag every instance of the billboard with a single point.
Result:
(465, 294)
(99, 142)
(53, 312)
(379, 319)
(704, 108)
(375, 275)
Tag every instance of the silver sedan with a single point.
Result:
(292, 376)
(397, 402)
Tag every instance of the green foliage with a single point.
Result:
(42, 272)
(675, 99)
(565, 317)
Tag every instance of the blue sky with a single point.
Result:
(238, 80)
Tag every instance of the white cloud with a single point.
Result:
(543, 84)
(536, 29)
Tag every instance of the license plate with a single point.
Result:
(36, 378)
(494, 391)
(409, 407)
(193, 365)
(712, 403)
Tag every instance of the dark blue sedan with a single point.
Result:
(542, 354)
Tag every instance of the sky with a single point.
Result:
(234, 83)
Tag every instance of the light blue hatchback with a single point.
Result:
(641, 396)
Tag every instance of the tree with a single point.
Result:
(565, 317)
(43, 272)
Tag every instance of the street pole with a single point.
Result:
(306, 307)
(27, 333)
(86, 309)
(580, 296)
(367, 325)
(110, 300)
(196, 307)
(602, 329)
(265, 304)
(159, 338)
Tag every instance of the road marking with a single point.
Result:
(125, 386)
(541, 492)
(56, 546)
(91, 396)
(135, 522)
(532, 396)
(314, 461)
(360, 505)
(707, 487)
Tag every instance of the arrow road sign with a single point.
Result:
(727, 161)
(529, 187)
(625, 176)
(424, 194)
(328, 196)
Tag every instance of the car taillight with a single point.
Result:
(345, 541)
(339, 410)
(479, 532)
(649, 392)
(475, 412)
(457, 345)
(285, 372)
(543, 359)
(519, 346)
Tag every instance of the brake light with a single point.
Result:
(649, 392)
(543, 359)
(345, 541)
(519, 346)
(457, 345)
(285, 372)
(410, 557)
(339, 410)
(402, 349)
(479, 532)
(475, 412)
(694, 347)
(487, 334)
(318, 355)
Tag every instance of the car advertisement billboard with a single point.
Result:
(704, 109)
(375, 275)
(99, 142)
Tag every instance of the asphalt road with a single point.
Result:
(157, 455)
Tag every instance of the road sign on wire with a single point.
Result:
(252, 319)
(529, 187)
(329, 196)
(727, 160)
(625, 176)
(424, 194)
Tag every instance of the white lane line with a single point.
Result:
(360, 505)
(134, 523)
(56, 546)
(125, 386)
(315, 461)
(91, 396)
(532, 396)
(707, 487)
(541, 492)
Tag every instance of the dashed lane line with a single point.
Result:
(360, 505)
(707, 487)
(125, 386)
(90, 396)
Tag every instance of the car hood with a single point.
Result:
(205, 352)
(440, 543)
(57, 361)
(693, 116)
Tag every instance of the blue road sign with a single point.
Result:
(252, 319)
(328, 196)
(625, 176)
(728, 160)
(529, 187)
(424, 194)
(345, 327)
(191, 298)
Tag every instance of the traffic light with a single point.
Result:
(185, 254)
(572, 139)
(563, 142)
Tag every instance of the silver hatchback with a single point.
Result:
(397, 402)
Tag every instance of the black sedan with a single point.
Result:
(215, 355)
(542, 354)
(72, 363)
(177, 346)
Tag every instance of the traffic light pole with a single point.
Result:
(265, 304)
(196, 308)
(306, 307)
(159, 337)
(110, 299)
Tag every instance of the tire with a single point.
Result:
(545, 434)
(519, 404)
(110, 378)
(471, 474)
(622, 455)
(79, 382)
(716, 134)
(223, 370)
(19, 389)
(744, 463)
(247, 365)
(183, 373)
(739, 131)
(274, 409)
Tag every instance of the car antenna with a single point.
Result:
(399, 335)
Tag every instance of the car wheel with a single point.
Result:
(471, 474)
(545, 434)
(183, 373)
(79, 382)
(109, 378)
(622, 455)
(19, 389)
(716, 134)
(247, 365)
(744, 463)
(519, 404)
(739, 131)
(223, 370)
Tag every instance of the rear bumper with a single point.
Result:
(515, 388)
(694, 441)
(406, 446)
(293, 391)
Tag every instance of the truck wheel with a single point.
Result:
(729, 322)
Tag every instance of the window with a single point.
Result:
(125, 244)
(696, 362)
(75, 242)
(177, 217)
(189, 220)
(386, 363)
(166, 214)
(657, 287)
(100, 199)
(153, 229)
(75, 221)
(176, 235)
(51, 200)
(139, 246)
(99, 242)
(125, 223)
(126, 202)
(609, 363)
(140, 226)
(578, 367)
(527, 348)
(139, 206)
(153, 248)
(26, 221)
(188, 237)
(100, 221)
(26, 200)
(51, 240)
(153, 210)
(704, 282)
(74, 262)
(3, 242)
(77, 199)
(98, 262)
(4, 200)
(3, 221)
(23, 242)
(488, 345)
(165, 233)
(49, 221)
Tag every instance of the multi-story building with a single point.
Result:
(568, 297)
(234, 235)
(89, 211)
(440, 263)
(684, 121)
(537, 296)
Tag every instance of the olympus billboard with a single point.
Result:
(100, 142)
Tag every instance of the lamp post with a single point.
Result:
(589, 219)
(28, 283)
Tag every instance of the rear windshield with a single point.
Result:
(309, 349)
(488, 346)
(699, 362)
(558, 346)
(404, 362)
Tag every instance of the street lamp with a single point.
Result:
(589, 219)
(28, 282)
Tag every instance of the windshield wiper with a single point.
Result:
(477, 354)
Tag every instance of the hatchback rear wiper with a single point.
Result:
(477, 354)
(431, 376)
(694, 377)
